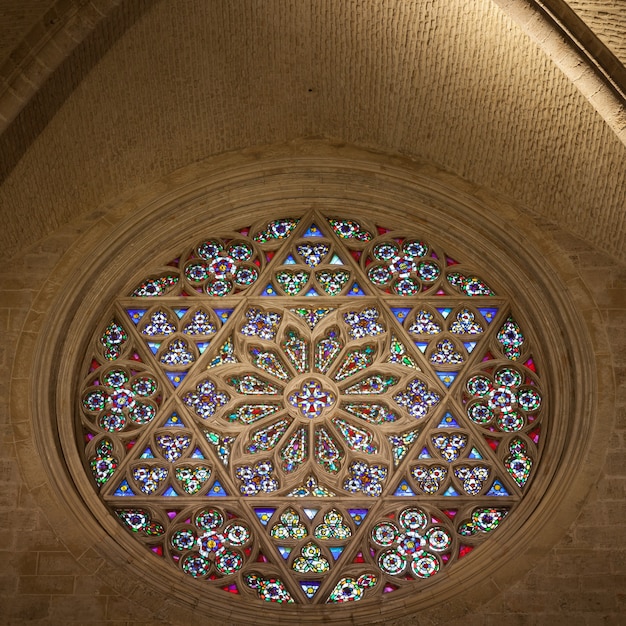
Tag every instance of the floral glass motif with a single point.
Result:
(119, 401)
(314, 361)
(411, 545)
(213, 542)
(508, 401)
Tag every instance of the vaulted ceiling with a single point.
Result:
(522, 98)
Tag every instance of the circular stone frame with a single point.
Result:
(202, 199)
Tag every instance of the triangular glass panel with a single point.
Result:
(169, 492)
(488, 313)
(154, 346)
(124, 489)
(388, 588)
(356, 290)
(310, 587)
(464, 550)
(493, 443)
(269, 290)
(223, 314)
(176, 377)
(313, 231)
(158, 550)
(202, 346)
(534, 434)
(469, 346)
(444, 311)
(336, 551)
(447, 378)
(289, 260)
(448, 422)
(264, 514)
(497, 489)
(136, 314)
(424, 454)
(147, 454)
(174, 422)
(180, 312)
(217, 490)
(310, 513)
(421, 346)
(474, 454)
(335, 260)
(450, 491)
(284, 551)
(311, 293)
(358, 515)
(359, 558)
(197, 454)
(400, 313)
(403, 490)
(530, 364)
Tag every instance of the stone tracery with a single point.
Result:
(272, 401)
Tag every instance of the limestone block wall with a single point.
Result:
(53, 572)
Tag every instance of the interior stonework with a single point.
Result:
(156, 99)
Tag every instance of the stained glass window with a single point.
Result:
(312, 410)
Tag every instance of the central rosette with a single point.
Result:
(311, 399)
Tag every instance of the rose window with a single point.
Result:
(312, 410)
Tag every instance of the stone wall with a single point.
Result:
(51, 572)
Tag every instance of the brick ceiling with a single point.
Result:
(150, 86)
